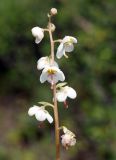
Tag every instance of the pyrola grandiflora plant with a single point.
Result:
(53, 74)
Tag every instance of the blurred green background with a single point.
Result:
(90, 70)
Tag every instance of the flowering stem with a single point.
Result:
(56, 117)
(56, 125)
(52, 46)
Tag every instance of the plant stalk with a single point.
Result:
(56, 117)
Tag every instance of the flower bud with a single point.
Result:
(51, 26)
(53, 11)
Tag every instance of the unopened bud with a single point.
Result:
(53, 11)
(52, 26)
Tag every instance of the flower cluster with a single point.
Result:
(53, 74)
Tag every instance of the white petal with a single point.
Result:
(70, 92)
(40, 115)
(65, 130)
(66, 138)
(43, 76)
(69, 47)
(61, 96)
(60, 76)
(45, 62)
(49, 118)
(37, 40)
(33, 110)
(42, 63)
(38, 33)
(60, 51)
(74, 39)
(66, 39)
(73, 142)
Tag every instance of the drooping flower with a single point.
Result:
(65, 92)
(68, 138)
(38, 33)
(66, 46)
(52, 74)
(45, 62)
(40, 113)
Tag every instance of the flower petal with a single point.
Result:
(33, 110)
(43, 76)
(60, 51)
(61, 96)
(60, 75)
(38, 33)
(66, 140)
(70, 92)
(66, 39)
(69, 47)
(42, 62)
(37, 40)
(40, 115)
(45, 62)
(69, 39)
(74, 39)
(65, 130)
(73, 142)
(49, 118)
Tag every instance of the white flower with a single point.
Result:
(45, 62)
(68, 138)
(40, 113)
(65, 92)
(66, 46)
(38, 33)
(52, 75)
